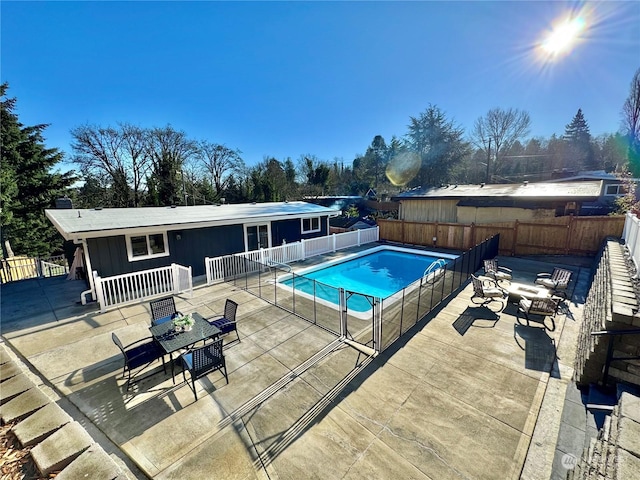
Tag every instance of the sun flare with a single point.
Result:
(564, 37)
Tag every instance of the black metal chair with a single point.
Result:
(163, 310)
(485, 291)
(203, 360)
(141, 353)
(227, 323)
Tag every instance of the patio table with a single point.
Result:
(172, 341)
(518, 290)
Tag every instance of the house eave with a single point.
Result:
(78, 236)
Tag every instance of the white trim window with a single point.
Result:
(310, 225)
(147, 245)
(615, 189)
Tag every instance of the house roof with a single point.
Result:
(595, 175)
(588, 190)
(75, 224)
(348, 222)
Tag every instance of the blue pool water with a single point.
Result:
(377, 274)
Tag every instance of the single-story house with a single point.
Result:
(612, 187)
(124, 240)
(496, 202)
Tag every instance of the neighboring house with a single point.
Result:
(123, 240)
(348, 224)
(612, 187)
(496, 202)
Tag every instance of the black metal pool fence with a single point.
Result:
(387, 319)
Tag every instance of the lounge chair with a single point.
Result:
(141, 353)
(227, 323)
(163, 310)
(498, 273)
(544, 307)
(202, 361)
(557, 281)
(486, 290)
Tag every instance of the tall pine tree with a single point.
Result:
(28, 185)
(577, 138)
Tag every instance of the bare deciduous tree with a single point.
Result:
(631, 122)
(100, 150)
(497, 131)
(168, 149)
(219, 161)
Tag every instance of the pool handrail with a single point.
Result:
(434, 271)
(283, 266)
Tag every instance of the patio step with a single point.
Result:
(94, 463)
(40, 425)
(59, 443)
(61, 448)
(23, 405)
(615, 454)
(14, 387)
(8, 371)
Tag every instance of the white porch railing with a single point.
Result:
(229, 266)
(134, 287)
(631, 237)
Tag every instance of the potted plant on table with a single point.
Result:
(184, 323)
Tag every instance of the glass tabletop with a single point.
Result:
(172, 341)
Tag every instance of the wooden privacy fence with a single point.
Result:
(549, 236)
(22, 267)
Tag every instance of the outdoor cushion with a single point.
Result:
(162, 320)
(188, 360)
(143, 354)
(224, 325)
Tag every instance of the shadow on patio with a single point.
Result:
(299, 403)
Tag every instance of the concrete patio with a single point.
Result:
(467, 393)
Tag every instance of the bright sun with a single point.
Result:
(563, 37)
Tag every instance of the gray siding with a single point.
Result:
(290, 230)
(109, 254)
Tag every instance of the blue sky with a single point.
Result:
(285, 79)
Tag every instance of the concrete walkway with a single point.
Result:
(467, 393)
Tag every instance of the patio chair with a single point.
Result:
(227, 323)
(486, 290)
(498, 273)
(203, 360)
(141, 353)
(163, 310)
(544, 307)
(557, 281)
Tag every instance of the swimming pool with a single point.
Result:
(378, 272)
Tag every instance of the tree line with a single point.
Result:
(126, 165)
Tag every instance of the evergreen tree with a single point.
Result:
(577, 137)
(28, 185)
(439, 146)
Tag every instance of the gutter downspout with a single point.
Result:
(89, 273)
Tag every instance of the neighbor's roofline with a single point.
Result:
(515, 190)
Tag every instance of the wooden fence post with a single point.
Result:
(515, 238)
(472, 241)
(570, 229)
